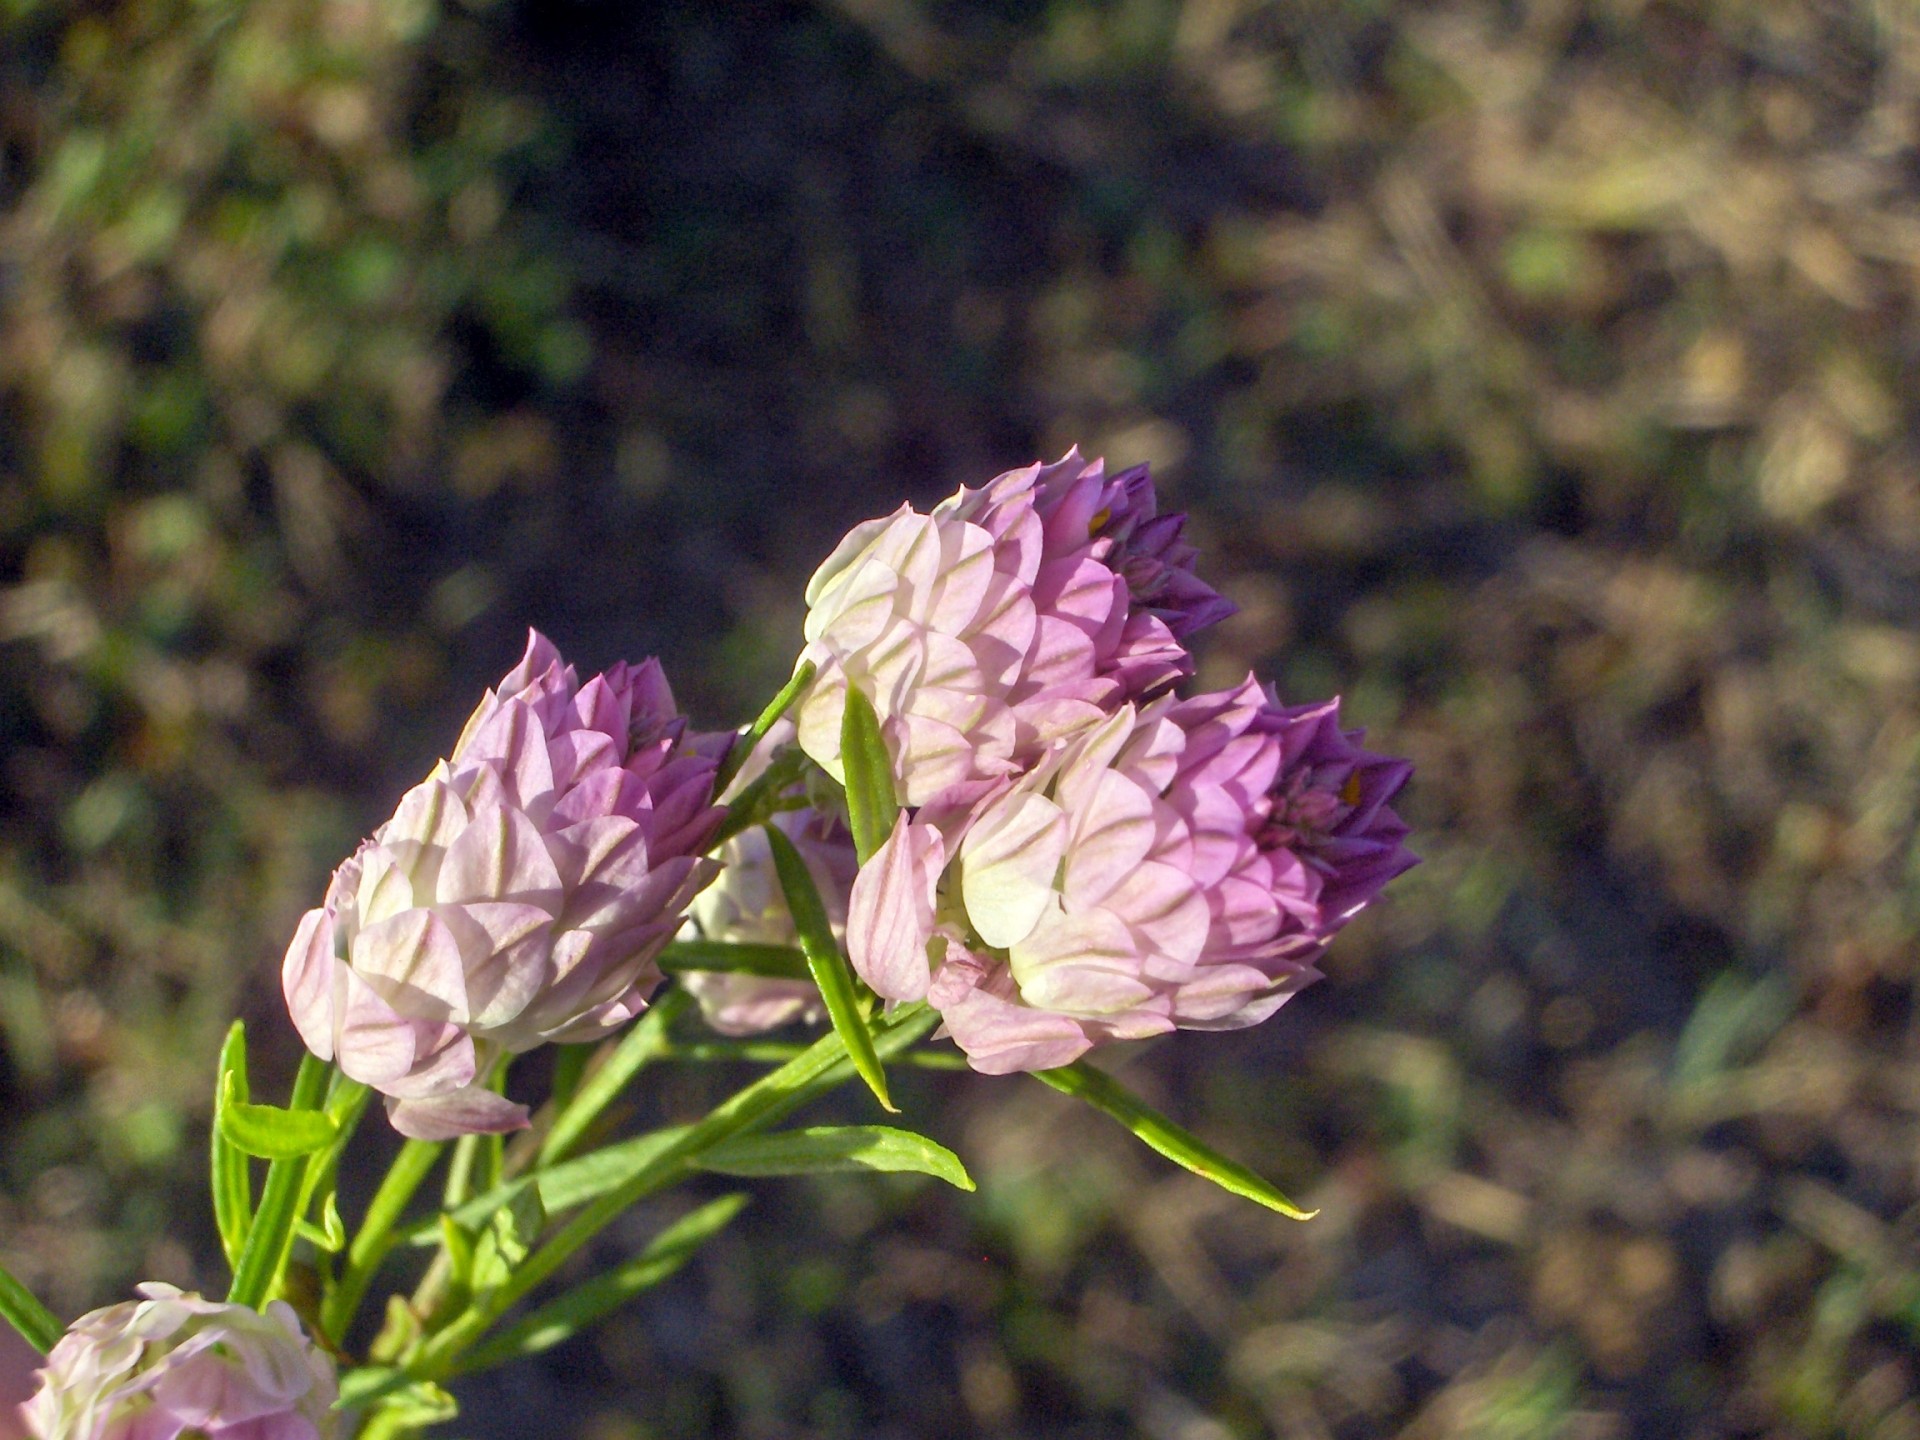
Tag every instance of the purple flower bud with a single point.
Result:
(1010, 617)
(1181, 865)
(176, 1367)
(518, 895)
(746, 906)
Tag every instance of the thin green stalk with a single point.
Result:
(824, 1065)
(460, 1172)
(271, 1234)
(569, 1069)
(777, 962)
(346, 1103)
(600, 1296)
(775, 1052)
(756, 732)
(637, 1048)
(760, 799)
(376, 1236)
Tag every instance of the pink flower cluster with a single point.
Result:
(173, 1366)
(1083, 857)
(518, 895)
(1010, 617)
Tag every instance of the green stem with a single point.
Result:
(754, 803)
(600, 1296)
(376, 1235)
(271, 1234)
(346, 1103)
(569, 1068)
(776, 962)
(775, 1052)
(756, 732)
(824, 1065)
(460, 1172)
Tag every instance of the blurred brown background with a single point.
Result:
(1539, 375)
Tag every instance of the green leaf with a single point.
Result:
(412, 1403)
(271, 1234)
(368, 1383)
(23, 1310)
(765, 721)
(823, 1067)
(830, 969)
(579, 1308)
(330, 1234)
(778, 962)
(232, 1176)
(511, 1232)
(563, 1186)
(270, 1133)
(376, 1235)
(757, 801)
(458, 1241)
(779, 1052)
(872, 802)
(829, 1148)
(1154, 1130)
(400, 1334)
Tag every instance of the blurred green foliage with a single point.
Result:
(1538, 373)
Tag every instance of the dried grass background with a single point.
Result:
(1538, 373)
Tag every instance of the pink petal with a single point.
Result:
(1008, 861)
(890, 912)
(413, 962)
(1000, 1037)
(506, 950)
(474, 1110)
(306, 979)
(500, 856)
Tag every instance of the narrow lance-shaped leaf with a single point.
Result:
(872, 801)
(23, 1310)
(830, 969)
(830, 1148)
(576, 1310)
(412, 1403)
(512, 1231)
(577, 1181)
(271, 1133)
(779, 1052)
(1157, 1132)
(232, 1178)
(776, 962)
(825, 1066)
(258, 1272)
(561, 1187)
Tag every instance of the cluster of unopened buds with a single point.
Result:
(983, 804)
